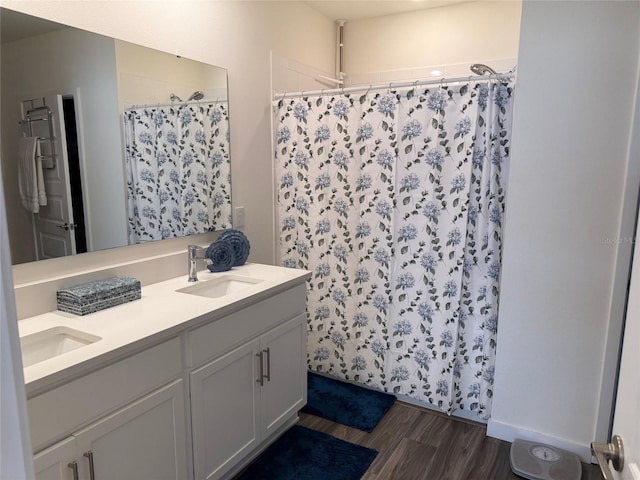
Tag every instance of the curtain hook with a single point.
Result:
(389, 88)
(368, 90)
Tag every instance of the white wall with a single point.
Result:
(408, 46)
(577, 77)
(15, 446)
(147, 76)
(68, 62)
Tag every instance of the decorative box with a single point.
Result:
(94, 296)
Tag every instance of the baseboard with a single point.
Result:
(509, 433)
(461, 414)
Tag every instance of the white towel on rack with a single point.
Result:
(28, 174)
(42, 194)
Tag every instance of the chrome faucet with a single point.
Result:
(192, 251)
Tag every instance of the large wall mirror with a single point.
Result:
(106, 143)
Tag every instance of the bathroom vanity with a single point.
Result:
(190, 382)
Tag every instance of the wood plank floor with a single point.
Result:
(415, 443)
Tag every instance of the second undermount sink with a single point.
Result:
(52, 342)
(221, 286)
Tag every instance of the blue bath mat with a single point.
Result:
(345, 403)
(305, 454)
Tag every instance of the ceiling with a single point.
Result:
(15, 25)
(361, 9)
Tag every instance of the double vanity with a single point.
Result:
(192, 381)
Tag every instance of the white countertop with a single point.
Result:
(161, 313)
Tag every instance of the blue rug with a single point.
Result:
(304, 454)
(346, 403)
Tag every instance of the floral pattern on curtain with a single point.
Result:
(177, 170)
(395, 201)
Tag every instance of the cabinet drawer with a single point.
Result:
(220, 336)
(59, 411)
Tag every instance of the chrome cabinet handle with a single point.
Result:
(605, 452)
(74, 468)
(260, 379)
(89, 455)
(268, 352)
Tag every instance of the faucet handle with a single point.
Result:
(193, 251)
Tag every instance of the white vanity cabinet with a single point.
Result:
(242, 398)
(57, 462)
(284, 389)
(198, 403)
(224, 409)
(142, 439)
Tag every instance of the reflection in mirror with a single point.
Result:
(106, 143)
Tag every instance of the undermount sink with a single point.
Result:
(52, 342)
(221, 286)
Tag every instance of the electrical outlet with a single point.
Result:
(239, 217)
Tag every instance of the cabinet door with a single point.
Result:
(143, 441)
(225, 415)
(56, 462)
(285, 386)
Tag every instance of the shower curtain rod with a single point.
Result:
(174, 104)
(365, 88)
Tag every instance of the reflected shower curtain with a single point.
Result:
(177, 170)
(395, 201)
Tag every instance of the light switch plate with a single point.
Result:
(239, 217)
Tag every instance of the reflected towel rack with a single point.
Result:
(48, 159)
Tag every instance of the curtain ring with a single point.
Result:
(389, 87)
(368, 90)
(413, 89)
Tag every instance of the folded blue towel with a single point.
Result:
(221, 255)
(240, 244)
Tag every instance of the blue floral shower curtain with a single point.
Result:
(177, 170)
(395, 201)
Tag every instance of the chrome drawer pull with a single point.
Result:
(89, 455)
(268, 352)
(260, 379)
(74, 468)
